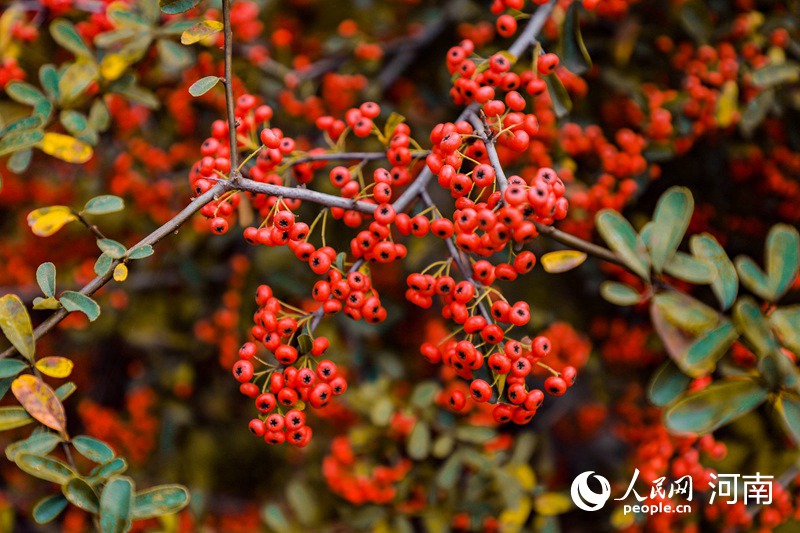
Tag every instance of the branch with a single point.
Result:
(97, 283)
(229, 104)
(344, 156)
(299, 193)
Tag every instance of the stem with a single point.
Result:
(91, 227)
(229, 103)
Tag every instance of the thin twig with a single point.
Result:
(91, 227)
(229, 103)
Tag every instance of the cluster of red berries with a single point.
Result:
(291, 384)
(10, 71)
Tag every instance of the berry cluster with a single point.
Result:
(294, 381)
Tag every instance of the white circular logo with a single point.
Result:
(584, 497)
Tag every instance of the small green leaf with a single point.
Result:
(16, 325)
(670, 221)
(48, 509)
(20, 160)
(37, 444)
(24, 93)
(621, 237)
(80, 494)
(619, 293)
(27, 123)
(99, 117)
(721, 402)
(20, 140)
(75, 301)
(102, 205)
(48, 77)
(696, 19)
(14, 417)
(782, 258)
(702, 356)
(419, 441)
(159, 501)
(756, 111)
(788, 405)
(65, 390)
(785, 321)
(103, 264)
(93, 449)
(684, 312)
(726, 283)
(750, 323)
(562, 103)
(65, 34)
(687, 268)
(112, 248)
(11, 367)
(140, 252)
(203, 85)
(102, 472)
(775, 74)
(448, 474)
(574, 54)
(305, 343)
(753, 278)
(74, 122)
(116, 504)
(46, 278)
(47, 468)
(302, 502)
(173, 7)
(475, 434)
(667, 383)
(424, 394)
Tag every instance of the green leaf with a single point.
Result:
(621, 237)
(116, 504)
(100, 473)
(753, 278)
(305, 343)
(302, 502)
(448, 474)
(48, 509)
(562, 103)
(785, 321)
(74, 122)
(684, 312)
(475, 434)
(670, 221)
(721, 402)
(76, 79)
(173, 7)
(11, 367)
(140, 252)
(65, 390)
(102, 264)
(776, 74)
(27, 123)
(203, 85)
(782, 258)
(687, 268)
(102, 205)
(619, 293)
(756, 111)
(99, 117)
(696, 20)
(424, 394)
(80, 494)
(46, 278)
(75, 301)
(702, 356)
(159, 501)
(726, 283)
(16, 325)
(419, 441)
(750, 323)
(65, 34)
(667, 383)
(20, 140)
(37, 444)
(93, 449)
(20, 161)
(43, 109)
(47, 468)
(788, 405)
(14, 417)
(574, 54)
(112, 248)
(275, 519)
(24, 93)
(48, 77)
(173, 54)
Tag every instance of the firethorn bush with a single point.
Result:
(422, 263)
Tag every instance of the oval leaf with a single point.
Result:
(47, 468)
(80, 494)
(40, 401)
(55, 367)
(16, 325)
(726, 282)
(685, 312)
(750, 323)
(702, 356)
(200, 31)
(782, 258)
(687, 268)
(562, 261)
(116, 504)
(48, 509)
(66, 148)
(93, 449)
(14, 417)
(46, 278)
(140, 252)
(619, 293)
(159, 501)
(419, 441)
(574, 54)
(75, 301)
(36, 444)
(667, 383)
(11, 367)
(173, 7)
(753, 278)
(112, 248)
(101, 205)
(120, 272)
(47, 220)
(620, 237)
(716, 405)
(103, 263)
(102, 472)
(789, 408)
(785, 321)
(203, 85)
(670, 221)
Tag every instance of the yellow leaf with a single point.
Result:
(40, 401)
(200, 31)
(10, 17)
(562, 261)
(512, 520)
(66, 148)
(727, 104)
(55, 367)
(120, 272)
(48, 220)
(523, 473)
(552, 503)
(620, 520)
(112, 66)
